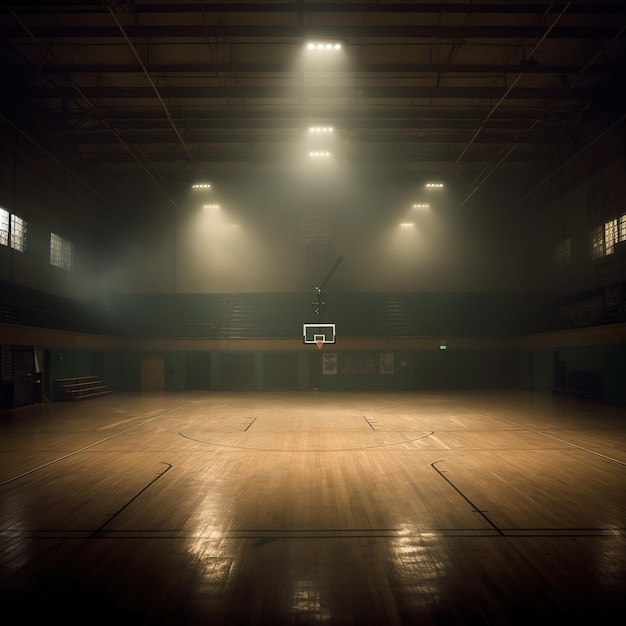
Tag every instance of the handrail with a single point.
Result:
(607, 314)
(221, 314)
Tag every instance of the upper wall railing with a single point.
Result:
(588, 313)
(280, 315)
(260, 315)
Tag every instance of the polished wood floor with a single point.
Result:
(361, 509)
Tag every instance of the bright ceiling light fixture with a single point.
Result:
(319, 154)
(324, 45)
(407, 225)
(434, 185)
(321, 129)
(201, 186)
(421, 205)
(211, 206)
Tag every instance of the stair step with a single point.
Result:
(81, 388)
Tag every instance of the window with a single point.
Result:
(61, 252)
(605, 236)
(610, 236)
(564, 251)
(597, 242)
(18, 233)
(13, 229)
(4, 227)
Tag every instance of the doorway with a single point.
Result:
(153, 373)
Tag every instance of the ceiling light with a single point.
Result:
(422, 205)
(321, 129)
(434, 185)
(211, 206)
(319, 154)
(406, 225)
(324, 45)
(201, 186)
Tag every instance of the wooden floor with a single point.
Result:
(359, 509)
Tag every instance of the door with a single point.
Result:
(153, 373)
(23, 375)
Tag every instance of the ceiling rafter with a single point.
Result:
(493, 93)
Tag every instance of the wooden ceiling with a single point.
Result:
(476, 94)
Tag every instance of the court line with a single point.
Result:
(369, 423)
(121, 422)
(314, 533)
(476, 509)
(91, 445)
(377, 446)
(112, 516)
(538, 432)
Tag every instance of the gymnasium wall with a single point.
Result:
(524, 362)
(49, 199)
(361, 365)
(292, 370)
(142, 269)
(257, 242)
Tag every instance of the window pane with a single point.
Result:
(60, 252)
(610, 236)
(18, 233)
(597, 242)
(4, 227)
(622, 228)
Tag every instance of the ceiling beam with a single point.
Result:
(506, 8)
(185, 69)
(277, 138)
(292, 34)
(383, 92)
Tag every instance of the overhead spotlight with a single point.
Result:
(407, 225)
(321, 129)
(422, 205)
(201, 186)
(318, 154)
(324, 45)
(211, 206)
(434, 185)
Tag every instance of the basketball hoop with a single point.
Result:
(318, 334)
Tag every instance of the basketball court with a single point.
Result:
(314, 508)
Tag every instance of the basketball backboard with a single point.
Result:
(318, 334)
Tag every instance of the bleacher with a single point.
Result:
(253, 315)
(81, 388)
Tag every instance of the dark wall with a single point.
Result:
(281, 314)
(42, 192)
(288, 370)
(328, 369)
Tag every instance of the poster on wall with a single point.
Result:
(329, 363)
(386, 362)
